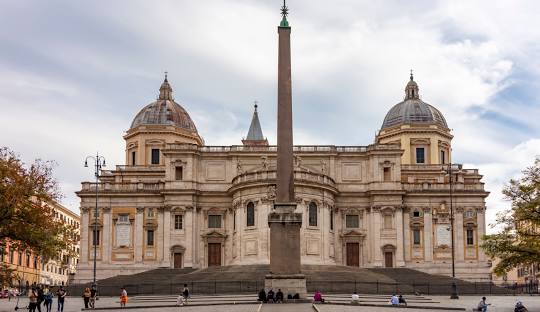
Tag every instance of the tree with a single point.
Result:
(518, 242)
(27, 221)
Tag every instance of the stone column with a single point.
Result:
(481, 228)
(399, 238)
(84, 246)
(428, 235)
(166, 237)
(458, 230)
(189, 259)
(107, 234)
(139, 235)
(376, 230)
(407, 235)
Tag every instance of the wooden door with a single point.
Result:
(388, 259)
(214, 254)
(353, 254)
(177, 260)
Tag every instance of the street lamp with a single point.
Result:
(99, 162)
(449, 169)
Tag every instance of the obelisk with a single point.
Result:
(284, 222)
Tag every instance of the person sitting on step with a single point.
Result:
(279, 296)
(317, 297)
(520, 307)
(402, 300)
(270, 296)
(394, 300)
(355, 298)
(262, 296)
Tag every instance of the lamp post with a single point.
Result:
(99, 162)
(449, 170)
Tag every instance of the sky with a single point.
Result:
(73, 74)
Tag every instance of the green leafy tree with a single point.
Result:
(27, 219)
(518, 242)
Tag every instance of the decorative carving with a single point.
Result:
(106, 209)
(297, 161)
(140, 209)
(426, 209)
(271, 192)
(323, 167)
(264, 162)
(85, 209)
(459, 209)
(239, 168)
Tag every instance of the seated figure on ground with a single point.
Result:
(394, 300)
(270, 296)
(520, 307)
(355, 298)
(402, 300)
(262, 296)
(317, 297)
(279, 296)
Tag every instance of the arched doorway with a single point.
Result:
(177, 255)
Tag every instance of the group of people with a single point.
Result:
(183, 297)
(483, 306)
(89, 297)
(271, 296)
(39, 294)
(397, 300)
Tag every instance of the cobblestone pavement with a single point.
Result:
(293, 307)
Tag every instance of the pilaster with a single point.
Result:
(107, 234)
(166, 237)
(459, 240)
(376, 226)
(84, 247)
(399, 235)
(139, 234)
(428, 235)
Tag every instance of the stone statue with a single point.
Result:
(239, 167)
(264, 162)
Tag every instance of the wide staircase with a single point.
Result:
(328, 279)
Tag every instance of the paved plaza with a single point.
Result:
(247, 303)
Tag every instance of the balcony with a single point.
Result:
(270, 177)
(88, 187)
(273, 148)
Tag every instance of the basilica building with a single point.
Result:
(178, 202)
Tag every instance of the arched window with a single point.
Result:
(250, 215)
(312, 214)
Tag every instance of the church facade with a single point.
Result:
(180, 203)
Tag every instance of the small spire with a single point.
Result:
(411, 90)
(255, 135)
(165, 91)
(284, 13)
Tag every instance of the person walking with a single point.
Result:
(61, 295)
(93, 296)
(48, 297)
(32, 298)
(185, 293)
(123, 298)
(40, 297)
(86, 297)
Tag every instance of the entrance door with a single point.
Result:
(214, 254)
(353, 254)
(177, 260)
(388, 259)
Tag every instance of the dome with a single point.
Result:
(413, 110)
(164, 111)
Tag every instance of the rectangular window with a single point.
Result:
(27, 260)
(178, 222)
(420, 155)
(312, 214)
(19, 258)
(416, 237)
(331, 220)
(443, 158)
(179, 173)
(123, 218)
(155, 156)
(386, 174)
(352, 221)
(214, 221)
(416, 214)
(133, 158)
(387, 221)
(250, 215)
(150, 237)
(470, 237)
(35, 262)
(11, 256)
(234, 221)
(95, 238)
(150, 213)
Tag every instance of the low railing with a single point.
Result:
(273, 148)
(442, 187)
(326, 286)
(122, 187)
(299, 176)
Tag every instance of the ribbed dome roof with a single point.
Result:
(164, 111)
(413, 110)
